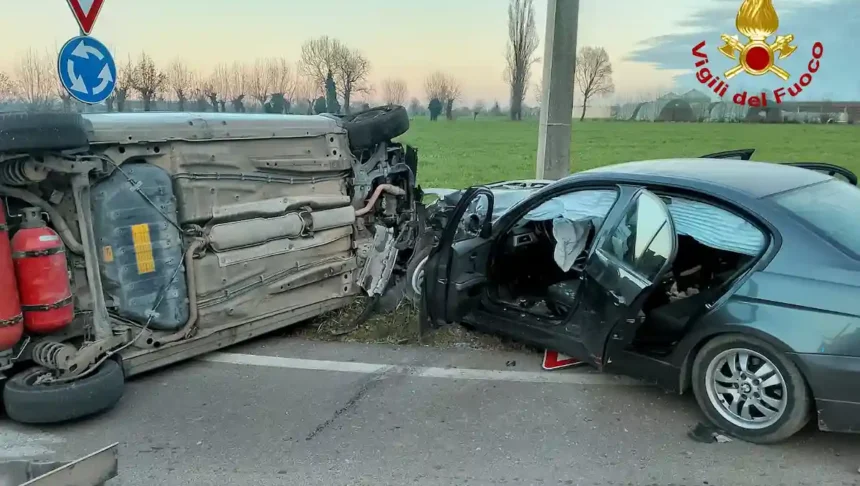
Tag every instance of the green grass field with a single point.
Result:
(465, 152)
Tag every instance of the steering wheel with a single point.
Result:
(545, 228)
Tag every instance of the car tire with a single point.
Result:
(380, 124)
(28, 403)
(415, 273)
(28, 132)
(794, 395)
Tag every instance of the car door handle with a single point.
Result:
(619, 300)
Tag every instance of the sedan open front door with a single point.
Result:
(624, 263)
(455, 274)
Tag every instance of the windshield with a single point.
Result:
(830, 208)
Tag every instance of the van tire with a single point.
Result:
(40, 132)
(380, 124)
(46, 404)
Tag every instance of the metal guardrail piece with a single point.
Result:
(92, 470)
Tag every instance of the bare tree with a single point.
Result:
(539, 92)
(351, 71)
(394, 91)
(520, 56)
(147, 80)
(64, 95)
(415, 107)
(122, 86)
(453, 94)
(435, 86)
(196, 96)
(259, 84)
(319, 57)
(7, 90)
(281, 76)
(479, 108)
(237, 86)
(444, 88)
(349, 67)
(593, 75)
(34, 79)
(306, 91)
(211, 94)
(220, 91)
(180, 80)
(282, 81)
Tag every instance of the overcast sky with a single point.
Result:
(649, 41)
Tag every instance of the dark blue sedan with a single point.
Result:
(738, 279)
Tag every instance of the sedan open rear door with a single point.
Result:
(621, 272)
(741, 154)
(834, 171)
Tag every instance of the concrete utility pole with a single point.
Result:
(559, 63)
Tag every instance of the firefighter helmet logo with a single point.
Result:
(757, 20)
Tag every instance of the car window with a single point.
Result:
(643, 239)
(581, 204)
(830, 209)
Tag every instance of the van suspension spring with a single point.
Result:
(52, 355)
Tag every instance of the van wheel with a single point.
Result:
(26, 132)
(30, 402)
(380, 124)
(750, 390)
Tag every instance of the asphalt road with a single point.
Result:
(264, 414)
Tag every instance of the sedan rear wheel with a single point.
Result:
(749, 389)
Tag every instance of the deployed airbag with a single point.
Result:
(570, 237)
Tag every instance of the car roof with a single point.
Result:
(757, 179)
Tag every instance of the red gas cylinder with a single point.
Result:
(11, 321)
(43, 278)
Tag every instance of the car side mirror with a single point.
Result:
(486, 229)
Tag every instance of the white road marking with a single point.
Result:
(565, 377)
(295, 363)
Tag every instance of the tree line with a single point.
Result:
(326, 79)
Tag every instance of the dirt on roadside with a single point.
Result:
(399, 326)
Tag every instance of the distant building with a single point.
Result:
(695, 106)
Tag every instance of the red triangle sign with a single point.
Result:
(86, 12)
(553, 360)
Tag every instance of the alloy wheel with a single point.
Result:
(746, 388)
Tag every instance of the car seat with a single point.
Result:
(561, 296)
